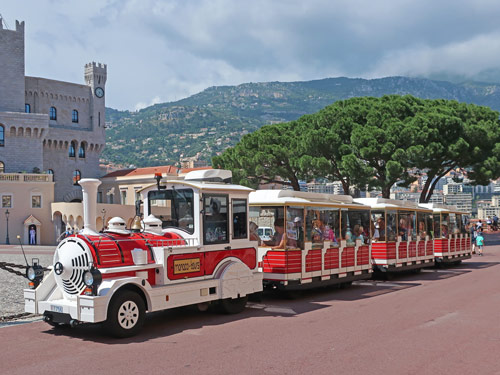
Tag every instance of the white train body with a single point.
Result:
(193, 248)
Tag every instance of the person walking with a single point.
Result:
(473, 233)
(480, 242)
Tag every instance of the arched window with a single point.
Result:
(27, 108)
(53, 113)
(2, 136)
(77, 175)
(81, 151)
(2, 167)
(51, 171)
(74, 116)
(72, 147)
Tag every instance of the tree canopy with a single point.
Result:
(374, 143)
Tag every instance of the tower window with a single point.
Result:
(53, 113)
(77, 176)
(81, 151)
(2, 167)
(2, 136)
(74, 116)
(27, 108)
(72, 148)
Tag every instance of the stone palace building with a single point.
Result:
(52, 134)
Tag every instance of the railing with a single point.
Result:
(25, 177)
(156, 241)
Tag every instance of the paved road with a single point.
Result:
(437, 322)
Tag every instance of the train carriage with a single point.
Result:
(452, 242)
(319, 238)
(192, 248)
(402, 236)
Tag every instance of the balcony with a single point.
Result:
(25, 177)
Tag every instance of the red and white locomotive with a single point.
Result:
(193, 247)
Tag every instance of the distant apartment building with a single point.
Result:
(325, 187)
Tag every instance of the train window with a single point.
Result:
(429, 225)
(174, 207)
(437, 226)
(453, 229)
(322, 224)
(294, 228)
(270, 223)
(445, 225)
(422, 225)
(239, 218)
(355, 226)
(215, 219)
(406, 225)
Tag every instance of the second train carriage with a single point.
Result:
(452, 242)
(319, 238)
(402, 235)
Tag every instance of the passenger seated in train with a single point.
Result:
(317, 238)
(278, 240)
(254, 233)
(444, 231)
(358, 232)
(421, 230)
(329, 235)
(379, 233)
(402, 230)
(295, 234)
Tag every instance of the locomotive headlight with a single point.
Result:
(92, 277)
(88, 278)
(30, 273)
(34, 274)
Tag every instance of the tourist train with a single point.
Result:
(196, 242)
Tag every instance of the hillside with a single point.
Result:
(208, 122)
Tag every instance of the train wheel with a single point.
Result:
(233, 305)
(125, 314)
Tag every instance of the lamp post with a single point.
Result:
(7, 213)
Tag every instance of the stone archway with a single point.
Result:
(32, 230)
(74, 196)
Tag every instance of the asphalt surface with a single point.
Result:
(440, 321)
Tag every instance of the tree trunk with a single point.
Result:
(386, 192)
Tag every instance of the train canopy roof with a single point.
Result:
(384, 203)
(268, 197)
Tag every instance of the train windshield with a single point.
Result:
(174, 207)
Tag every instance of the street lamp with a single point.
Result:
(7, 213)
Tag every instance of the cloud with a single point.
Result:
(171, 49)
(142, 105)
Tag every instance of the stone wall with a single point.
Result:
(12, 68)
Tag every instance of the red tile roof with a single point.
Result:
(163, 169)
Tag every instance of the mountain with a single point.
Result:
(206, 123)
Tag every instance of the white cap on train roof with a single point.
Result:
(209, 175)
(117, 225)
(152, 224)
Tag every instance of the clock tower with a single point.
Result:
(95, 78)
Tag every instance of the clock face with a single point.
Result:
(99, 92)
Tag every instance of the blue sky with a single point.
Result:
(160, 51)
